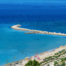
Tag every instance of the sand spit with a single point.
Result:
(17, 27)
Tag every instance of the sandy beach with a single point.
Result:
(17, 27)
(43, 55)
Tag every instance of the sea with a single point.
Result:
(15, 45)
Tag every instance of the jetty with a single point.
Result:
(17, 27)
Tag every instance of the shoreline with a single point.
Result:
(42, 56)
(17, 27)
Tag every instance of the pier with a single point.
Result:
(17, 27)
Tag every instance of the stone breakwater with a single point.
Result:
(17, 27)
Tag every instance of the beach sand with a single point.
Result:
(44, 55)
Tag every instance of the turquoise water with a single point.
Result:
(14, 43)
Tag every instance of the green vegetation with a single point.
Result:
(60, 63)
(48, 65)
(63, 64)
(32, 63)
(55, 57)
(55, 63)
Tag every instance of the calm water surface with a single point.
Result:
(14, 43)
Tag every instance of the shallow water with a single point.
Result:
(16, 43)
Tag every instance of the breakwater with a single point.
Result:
(17, 27)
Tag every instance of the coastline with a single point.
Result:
(42, 56)
(17, 27)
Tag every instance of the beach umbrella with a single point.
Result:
(38, 58)
(35, 55)
(27, 58)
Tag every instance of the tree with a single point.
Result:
(65, 58)
(35, 63)
(55, 63)
(56, 53)
(63, 64)
(29, 63)
(32, 63)
(62, 59)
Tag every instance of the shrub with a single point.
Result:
(35, 63)
(65, 58)
(62, 59)
(48, 65)
(29, 63)
(63, 64)
(32, 63)
(63, 50)
(56, 53)
(55, 63)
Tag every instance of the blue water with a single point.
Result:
(14, 43)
